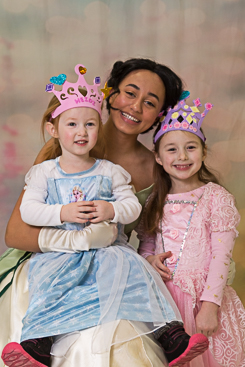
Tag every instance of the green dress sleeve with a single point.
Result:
(142, 197)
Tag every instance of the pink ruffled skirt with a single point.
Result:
(227, 345)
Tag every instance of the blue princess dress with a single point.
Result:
(71, 292)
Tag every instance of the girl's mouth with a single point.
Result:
(182, 167)
(81, 142)
(129, 117)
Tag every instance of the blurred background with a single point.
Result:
(201, 40)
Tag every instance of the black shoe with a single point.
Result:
(174, 342)
(179, 347)
(39, 349)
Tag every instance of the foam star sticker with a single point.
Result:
(106, 90)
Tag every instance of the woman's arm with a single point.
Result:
(19, 234)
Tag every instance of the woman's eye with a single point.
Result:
(149, 103)
(131, 94)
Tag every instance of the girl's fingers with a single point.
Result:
(85, 203)
(86, 209)
(164, 274)
(165, 255)
(84, 216)
(164, 268)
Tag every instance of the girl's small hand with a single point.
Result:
(78, 212)
(207, 318)
(102, 210)
(157, 262)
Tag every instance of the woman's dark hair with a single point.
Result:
(154, 209)
(173, 84)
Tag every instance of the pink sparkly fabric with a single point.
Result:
(202, 271)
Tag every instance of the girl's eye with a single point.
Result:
(71, 124)
(90, 124)
(191, 147)
(171, 150)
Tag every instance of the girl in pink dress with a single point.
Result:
(198, 228)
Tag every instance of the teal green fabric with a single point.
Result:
(9, 263)
(9, 259)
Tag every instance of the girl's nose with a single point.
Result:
(82, 131)
(183, 155)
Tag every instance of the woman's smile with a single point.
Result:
(127, 116)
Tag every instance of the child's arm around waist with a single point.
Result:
(147, 249)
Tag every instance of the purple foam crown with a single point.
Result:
(184, 117)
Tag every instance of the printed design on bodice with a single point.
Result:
(77, 194)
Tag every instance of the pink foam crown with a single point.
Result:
(70, 95)
(184, 117)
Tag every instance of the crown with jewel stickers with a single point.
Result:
(184, 117)
(70, 95)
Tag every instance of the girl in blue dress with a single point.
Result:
(93, 284)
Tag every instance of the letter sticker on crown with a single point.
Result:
(70, 95)
(184, 117)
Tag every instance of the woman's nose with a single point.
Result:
(137, 105)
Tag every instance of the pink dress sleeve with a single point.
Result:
(224, 219)
(147, 242)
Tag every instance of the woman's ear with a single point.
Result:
(51, 130)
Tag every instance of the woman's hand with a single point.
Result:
(207, 318)
(102, 210)
(157, 262)
(78, 212)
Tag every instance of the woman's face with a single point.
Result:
(139, 102)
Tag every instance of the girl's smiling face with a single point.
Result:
(77, 131)
(181, 154)
(139, 102)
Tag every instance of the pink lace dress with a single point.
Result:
(199, 227)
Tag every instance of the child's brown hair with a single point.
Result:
(154, 209)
